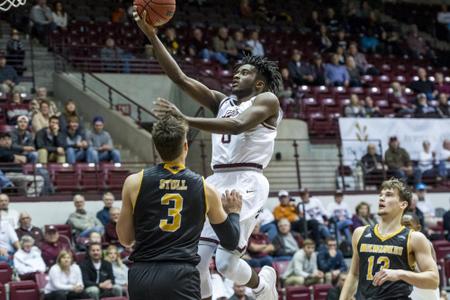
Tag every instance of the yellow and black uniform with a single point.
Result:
(377, 252)
(169, 213)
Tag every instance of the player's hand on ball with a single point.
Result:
(141, 21)
(164, 107)
(232, 202)
(386, 275)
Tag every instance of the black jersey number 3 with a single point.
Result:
(174, 212)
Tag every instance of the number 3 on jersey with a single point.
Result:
(382, 260)
(177, 201)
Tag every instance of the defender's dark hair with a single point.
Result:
(268, 69)
(169, 134)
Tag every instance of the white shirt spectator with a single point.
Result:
(60, 21)
(425, 161)
(338, 211)
(12, 216)
(29, 262)
(266, 217)
(120, 273)
(314, 210)
(59, 280)
(301, 265)
(426, 208)
(257, 47)
(445, 155)
(8, 236)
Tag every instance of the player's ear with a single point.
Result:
(260, 85)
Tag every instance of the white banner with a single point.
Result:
(357, 133)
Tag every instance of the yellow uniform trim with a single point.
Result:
(174, 168)
(411, 262)
(206, 200)
(362, 233)
(133, 201)
(386, 237)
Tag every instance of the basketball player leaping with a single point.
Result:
(243, 141)
(384, 256)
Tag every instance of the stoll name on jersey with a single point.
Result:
(172, 184)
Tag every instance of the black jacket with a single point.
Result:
(45, 140)
(90, 274)
(19, 141)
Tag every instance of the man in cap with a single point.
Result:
(398, 161)
(53, 244)
(23, 141)
(286, 209)
(101, 144)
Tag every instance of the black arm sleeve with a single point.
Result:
(228, 232)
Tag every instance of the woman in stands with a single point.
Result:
(70, 110)
(363, 216)
(65, 281)
(60, 16)
(120, 270)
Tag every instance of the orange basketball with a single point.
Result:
(159, 12)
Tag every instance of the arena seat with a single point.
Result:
(24, 290)
(320, 291)
(5, 273)
(298, 293)
(90, 176)
(2, 292)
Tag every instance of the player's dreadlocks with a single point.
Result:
(266, 68)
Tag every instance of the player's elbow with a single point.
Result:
(126, 241)
(236, 126)
(434, 282)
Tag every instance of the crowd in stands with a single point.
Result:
(34, 131)
(81, 264)
(320, 258)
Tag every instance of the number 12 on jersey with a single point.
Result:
(382, 260)
(175, 213)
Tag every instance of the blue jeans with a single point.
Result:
(282, 258)
(32, 157)
(93, 156)
(260, 262)
(5, 181)
(270, 229)
(344, 227)
(87, 232)
(74, 154)
(442, 169)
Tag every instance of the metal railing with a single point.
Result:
(292, 167)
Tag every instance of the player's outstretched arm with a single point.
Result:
(266, 105)
(224, 216)
(349, 288)
(198, 91)
(124, 226)
(427, 278)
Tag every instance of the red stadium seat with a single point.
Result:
(41, 280)
(2, 292)
(91, 176)
(298, 293)
(24, 290)
(320, 291)
(5, 273)
(115, 176)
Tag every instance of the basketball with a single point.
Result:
(159, 12)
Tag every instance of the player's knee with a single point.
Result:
(226, 267)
